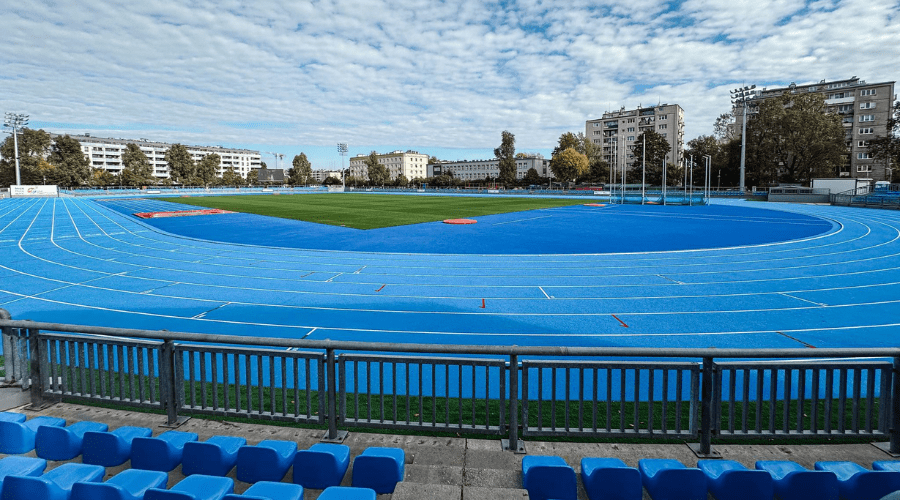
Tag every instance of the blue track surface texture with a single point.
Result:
(805, 275)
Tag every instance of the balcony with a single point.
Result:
(843, 100)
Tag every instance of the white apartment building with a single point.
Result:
(106, 153)
(864, 109)
(412, 164)
(617, 131)
(321, 175)
(473, 170)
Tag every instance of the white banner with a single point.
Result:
(19, 191)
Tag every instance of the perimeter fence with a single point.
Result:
(510, 392)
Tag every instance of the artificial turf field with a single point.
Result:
(367, 211)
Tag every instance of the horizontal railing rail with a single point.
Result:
(508, 391)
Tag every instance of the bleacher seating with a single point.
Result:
(268, 490)
(160, 453)
(196, 487)
(669, 479)
(64, 443)
(321, 466)
(794, 482)
(54, 485)
(859, 483)
(610, 479)
(267, 461)
(111, 448)
(347, 493)
(8, 416)
(730, 480)
(130, 484)
(547, 477)
(18, 437)
(20, 466)
(379, 468)
(213, 457)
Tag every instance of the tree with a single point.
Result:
(71, 168)
(102, 177)
(181, 166)
(207, 169)
(301, 172)
(722, 127)
(378, 173)
(231, 178)
(657, 148)
(532, 177)
(569, 165)
(506, 153)
(136, 168)
(34, 145)
(887, 148)
(705, 145)
(401, 181)
(331, 181)
(794, 139)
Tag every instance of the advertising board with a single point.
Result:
(29, 191)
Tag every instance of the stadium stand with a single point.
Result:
(110, 449)
(160, 453)
(548, 477)
(793, 481)
(669, 479)
(855, 481)
(19, 437)
(54, 485)
(130, 484)
(610, 479)
(64, 443)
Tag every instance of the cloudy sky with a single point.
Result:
(443, 78)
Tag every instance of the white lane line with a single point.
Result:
(329, 280)
(360, 269)
(521, 220)
(309, 333)
(545, 293)
(804, 300)
(670, 279)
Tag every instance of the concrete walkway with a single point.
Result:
(458, 468)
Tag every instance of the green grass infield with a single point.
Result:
(370, 211)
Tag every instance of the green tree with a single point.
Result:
(71, 168)
(182, 168)
(331, 181)
(657, 149)
(532, 177)
(34, 145)
(207, 169)
(136, 168)
(401, 181)
(722, 126)
(886, 148)
(102, 177)
(569, 165)
(301, 172)
(230, 177)
(378, 173)
(506, 153)
(700, 147)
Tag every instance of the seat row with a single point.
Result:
(547, 477)
(319, 467)
(21, 478)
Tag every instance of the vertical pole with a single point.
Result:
(513, 402)
(9, 350)
(332, 394)
(36, 352)
(664, 180)
(16, 145)
(691, 198)
(743, 145)
(167, 373)
(706, 406)
(895, 408)
(643, 169)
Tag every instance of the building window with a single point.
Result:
(664, 134)
(864, 168)
(863, 156)
(664, 117)
(845, 108)
(630, 137)
(867, 92)
(866, 130)
(631, 129)
(866, 105)
(862, 144)
(867, 118)
(662, 127)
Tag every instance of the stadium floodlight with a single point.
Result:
(16, 121)
(342, 150)
(743, 96)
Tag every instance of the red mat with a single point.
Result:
(181, 213)
(460, 221)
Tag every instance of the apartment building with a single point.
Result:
(473, 170)
(864, 109)
(617, 131)
(106, 153)
(411, 164)
(321, 175)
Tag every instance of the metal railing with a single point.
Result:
(507, 391)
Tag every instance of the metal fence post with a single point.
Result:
(168, 384)
(36, 353)
(333, 435)
(895, 409)
(9, 351)
(706, 411)
(513, 443)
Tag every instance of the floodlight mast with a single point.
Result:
(342, 150)
(743, 96)
(16, 121)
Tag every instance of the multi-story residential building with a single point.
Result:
(473, 170)
(412, 164)
(321, 175)
(106, 153)
(617, 132)
(864, 109)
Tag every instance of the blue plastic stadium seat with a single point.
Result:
(8, 416)
(18, 437)
(610, 479)
(20, 466)
(545, 477)
(379, 469)
(321, 466)
(64, 443)
(267, 490)
(669, 479)
(54, 485)
(267, 461)
(213, 457)
(196, 487)
(111, 448)
(794, 482)
(859, 483)
(347, 493)
(162, 453)
(730, 480)
(130, 484)
(892, 465)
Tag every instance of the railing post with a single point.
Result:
(36, 352)
(9, 352)
(333, 435)
(168, 384)
(895, 409)
(513, 443)
(706, 412)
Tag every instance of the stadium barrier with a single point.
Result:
(512, 392)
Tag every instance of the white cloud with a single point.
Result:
(419, 73)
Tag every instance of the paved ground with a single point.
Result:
(458, 468)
